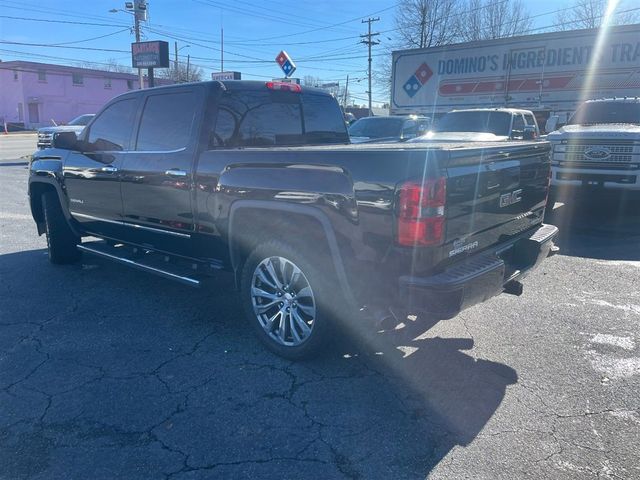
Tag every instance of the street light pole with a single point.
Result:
(137, 6)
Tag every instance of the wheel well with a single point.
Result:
(252, 227)
(35, 198)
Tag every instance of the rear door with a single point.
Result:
(157, 175)
(92, 176)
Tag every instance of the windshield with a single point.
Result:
(606, 112)
(497, 123)
(81, 120)
(372, 127)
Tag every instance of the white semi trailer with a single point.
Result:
(549, 73)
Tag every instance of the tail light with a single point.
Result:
(421, 219)
(284, 86)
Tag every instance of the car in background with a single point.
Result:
(388, 129)
(46, 135)
(599, 148)
(484, 125)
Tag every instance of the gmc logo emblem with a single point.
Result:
(510, 198)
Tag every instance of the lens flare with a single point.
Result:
(594, 61)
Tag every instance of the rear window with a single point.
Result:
(497, 123)
(376, 127)
(253, 118)
(606, 112)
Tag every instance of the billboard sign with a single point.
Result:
(222, 76)
(550, 71)
(150, 54)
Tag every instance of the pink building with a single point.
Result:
(32, 94)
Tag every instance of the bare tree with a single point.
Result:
(491, 19)
(181, 74)
(427, 23)
(311, 81)
(114, 66)
(591, 13)
(419, 24)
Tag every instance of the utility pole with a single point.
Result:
(175, 53)
(221, 49)
(346, 94)
(369, 42)
(188, 61)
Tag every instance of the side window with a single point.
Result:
(112, 128)
(253, 119)
(409, 129)
(167, 121)
(518, 127)
(530, 119)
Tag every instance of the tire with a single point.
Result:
(268, 299)
(61, 241)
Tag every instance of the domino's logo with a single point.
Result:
(417, 80)
(286, 64)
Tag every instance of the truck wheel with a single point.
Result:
(61, 241)
(281, 295)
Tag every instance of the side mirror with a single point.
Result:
(65, 140)
(552, 123)
(529, 133)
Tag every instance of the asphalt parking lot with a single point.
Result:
(107, 372)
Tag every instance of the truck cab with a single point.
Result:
(599, 148)
(484, 124)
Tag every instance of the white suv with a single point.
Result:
(599, 147)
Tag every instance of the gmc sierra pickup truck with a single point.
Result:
(259, 179)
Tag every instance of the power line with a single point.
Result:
(63, 46)
(322, 28)
(90, 39)
(70, 22)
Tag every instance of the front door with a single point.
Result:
(157, 175)
(92, 174)
(34, 113)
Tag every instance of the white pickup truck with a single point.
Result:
(599, 148)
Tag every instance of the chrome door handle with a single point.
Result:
(174, 172)
(109, 169)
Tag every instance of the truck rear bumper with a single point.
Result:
(477, 278)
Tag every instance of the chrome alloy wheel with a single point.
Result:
(283, 301)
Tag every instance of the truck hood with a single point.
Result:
(603, 130)
(62, 128)
(460, 137)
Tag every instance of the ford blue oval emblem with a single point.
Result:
(597, 153)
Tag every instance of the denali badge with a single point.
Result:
(510, 198)
(597, 153)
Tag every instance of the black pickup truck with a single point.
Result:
(259, 179)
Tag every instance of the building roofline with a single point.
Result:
(22, 64)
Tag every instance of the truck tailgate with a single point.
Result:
(493, 193)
